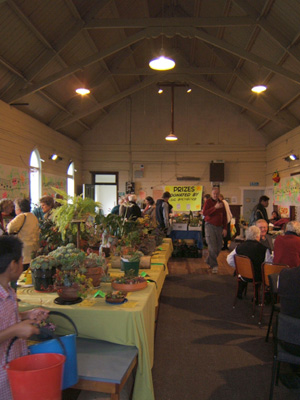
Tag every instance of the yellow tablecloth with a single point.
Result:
(131, 323)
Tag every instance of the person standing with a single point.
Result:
(162, 212)
(26, 226)
(229, 217)
(215, 227)
(133, 210)
(259, 211)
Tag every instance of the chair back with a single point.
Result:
(268, 269)
(288, 329)
(244, 266)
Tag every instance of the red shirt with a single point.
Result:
(215, 216)
(287, 250)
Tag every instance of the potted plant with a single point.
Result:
(131, 261)
(43, 269)
(129, 282)
(94, 267)
(73, 212)
(71, 284)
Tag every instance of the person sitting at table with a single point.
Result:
(275, 217)
(257, 252)
(287, 247)
(265, 238)
(12, 322)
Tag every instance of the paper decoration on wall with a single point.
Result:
(276, 177)
(14, 182)
(185, 198)
(49, 181)
(287, 191)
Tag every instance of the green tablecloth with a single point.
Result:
(131, 324)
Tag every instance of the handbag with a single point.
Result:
(66, 345)
(15, 233)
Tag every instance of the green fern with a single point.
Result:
(72, 208)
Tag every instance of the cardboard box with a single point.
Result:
(179, 227)
(195, 228)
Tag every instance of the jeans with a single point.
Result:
(214, 239)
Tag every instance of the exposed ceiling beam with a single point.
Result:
(246, 55)
(146, 82)
(117, 23)
(213, 89)
(178, 70)
(78, 66)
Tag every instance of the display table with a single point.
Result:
(131, 324)
(195, 235)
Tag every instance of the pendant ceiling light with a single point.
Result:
(162, 63)
(259, 88)
(82, 91)
(171, 136)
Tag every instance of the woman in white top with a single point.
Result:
(26, 226)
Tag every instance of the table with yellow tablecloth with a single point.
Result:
(131, 323)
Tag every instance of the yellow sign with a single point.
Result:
(185, 198)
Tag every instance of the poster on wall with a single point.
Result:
(49, 181)
(287, 191)
(185, 198)
(14, 182)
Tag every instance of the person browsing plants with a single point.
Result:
(12, 323)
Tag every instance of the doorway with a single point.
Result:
(104, 189)
(250, 199)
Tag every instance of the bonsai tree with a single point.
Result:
(73, 209)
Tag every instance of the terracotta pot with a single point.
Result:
(67, 293)
(95, 273)
(123, 287)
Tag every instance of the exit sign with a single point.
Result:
(254, 184)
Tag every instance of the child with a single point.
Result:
(13, 323)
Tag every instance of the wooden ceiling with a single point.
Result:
(48, 48)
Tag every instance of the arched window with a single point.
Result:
(35, 177)
(70, 180)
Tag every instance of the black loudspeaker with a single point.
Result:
(216, 172)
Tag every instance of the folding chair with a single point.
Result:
(244, 268)
(275, 306)
(288, 331)
(266, 270)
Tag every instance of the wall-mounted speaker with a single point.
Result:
(216, 172)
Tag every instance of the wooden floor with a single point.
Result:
(179, 266)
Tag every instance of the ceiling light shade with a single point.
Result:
(82, 91)
(259, 88)
(162, 63)
(171, 137)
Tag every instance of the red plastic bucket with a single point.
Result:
(36, 377)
